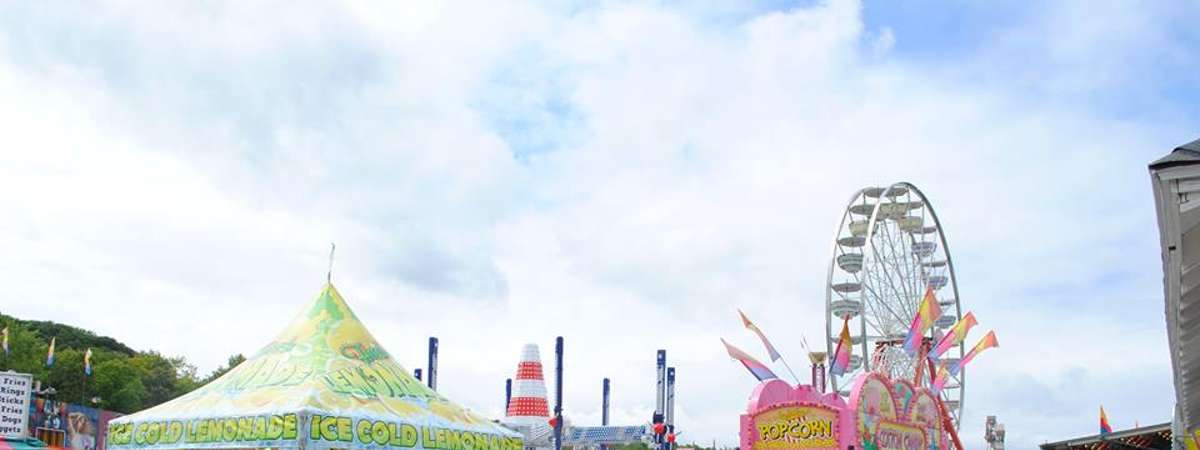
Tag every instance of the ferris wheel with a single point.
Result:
(889, 246)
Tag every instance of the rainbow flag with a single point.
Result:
(927, 313)
(955, 336)
(87, 362)
(50, 353)
(758, 369)
(841, 357)
(943, 374)
(752, 327)
(987, 342)
(1105, 428)
(4, 332)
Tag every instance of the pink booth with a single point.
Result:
(882, 414)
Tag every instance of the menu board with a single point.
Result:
(15, 392)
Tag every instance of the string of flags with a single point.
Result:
(928, 311)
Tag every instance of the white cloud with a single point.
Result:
(178, 169)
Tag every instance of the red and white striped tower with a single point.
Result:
(528, 405)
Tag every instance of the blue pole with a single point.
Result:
(670, 404)
(659, 392)
(604, 404)
(507, 394)
(604, 409)
(431, 370)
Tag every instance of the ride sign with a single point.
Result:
(15, 392)
(897, 436)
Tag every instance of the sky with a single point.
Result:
(625, 175)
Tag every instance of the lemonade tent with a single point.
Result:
(324, 382)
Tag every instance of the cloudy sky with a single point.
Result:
(624, 175)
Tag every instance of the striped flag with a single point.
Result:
(87, 362)
(956, 335)
(752, 327)
(987, 342)
(841, 357)
(758, 369)
(943, 374)
(50, 353)
(1105, 428)
(927, 313)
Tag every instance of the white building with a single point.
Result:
(1176, 183)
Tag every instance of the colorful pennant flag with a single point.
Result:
(87, 362)
(927, 313)
(752, 327)
(943, 374)
(758, 369)
(50, 353)
(4, 332)
(1104, 427)
(955, 336)
(840, 362)
(987, 342)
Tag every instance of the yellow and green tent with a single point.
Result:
(324, 382)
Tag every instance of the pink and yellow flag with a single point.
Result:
(50, 353)
(5, 333)
(927, 313)
(756, 368)
(1105, 428)
(840, 362)
(752, 327)
(87, 362)
(987, 342)
(939, 381)
(955, 336)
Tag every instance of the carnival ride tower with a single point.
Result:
(528, 405)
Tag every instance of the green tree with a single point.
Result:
(164, 378)
(119, 385)
(229, 365)
(66, 375)
(27, 351)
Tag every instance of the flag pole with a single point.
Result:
(329, 272)
(789, 369)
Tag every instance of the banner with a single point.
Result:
(15, 392)
(290, 429)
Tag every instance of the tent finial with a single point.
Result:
(329, 273)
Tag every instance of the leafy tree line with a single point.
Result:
(123, 380)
